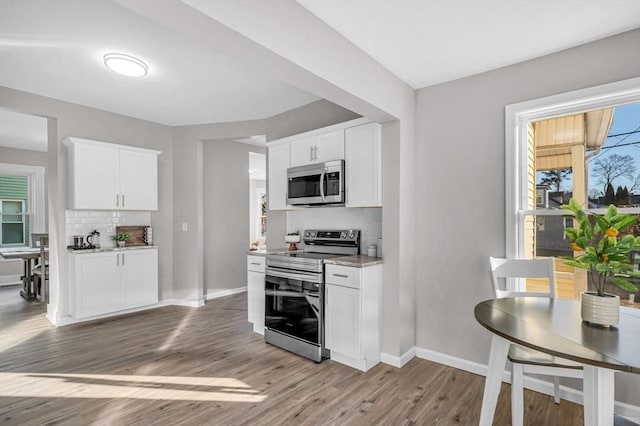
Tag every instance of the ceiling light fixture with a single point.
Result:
(125, 64)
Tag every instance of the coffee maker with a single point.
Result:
(93, 239)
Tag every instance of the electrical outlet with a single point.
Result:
(367, 229)
(185, 227)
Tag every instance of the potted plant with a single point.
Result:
(601, 248)
(292, 238)
(121, 238)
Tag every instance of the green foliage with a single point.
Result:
(601, 249)
(121, 236)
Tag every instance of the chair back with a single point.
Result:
(43, 259)
(502, 269)
(35, 239)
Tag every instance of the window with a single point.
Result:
(13, 231)
(22, 203)
(552, 146)
(14, 219)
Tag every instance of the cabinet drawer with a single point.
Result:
(343, 275)
(256, 263)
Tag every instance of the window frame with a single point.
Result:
(516, 118)
(36, 195)
(24, 214)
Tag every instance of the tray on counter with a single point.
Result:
(136, 234)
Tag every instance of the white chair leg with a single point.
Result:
(556, 389)
(497, 361)
(517, 394)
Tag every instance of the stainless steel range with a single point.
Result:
(294, 291)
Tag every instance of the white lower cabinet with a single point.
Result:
(352, 314)
(108, 282)
(255, 292)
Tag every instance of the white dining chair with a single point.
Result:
(525, 360)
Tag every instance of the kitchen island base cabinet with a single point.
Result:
(108, 282)
(255, 292)
(352, 315)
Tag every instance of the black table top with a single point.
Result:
(554, 326)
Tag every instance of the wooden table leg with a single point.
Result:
(598, 389)
(497, 361)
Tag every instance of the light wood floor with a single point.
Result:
(188, 366)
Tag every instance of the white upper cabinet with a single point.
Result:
(278, 161)
(104, 176)
(318, 149)
(363, 163)
(138, 180)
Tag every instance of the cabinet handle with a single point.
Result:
(122, 259)
(341, 275)
(122, 200)
(118, 259)
(117, 200)
(256, 263)
(315, 152)
(310, 153)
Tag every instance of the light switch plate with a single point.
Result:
(185, 227)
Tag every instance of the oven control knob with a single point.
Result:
(343, 235)
(306, 234)
(351, 235)
(313, 234)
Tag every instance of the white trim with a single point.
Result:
(215, 294)
(323, 130)
(516, 118)
(182, 302)
(531, 383)
(71, 140)
(36, 195)
(396, 361)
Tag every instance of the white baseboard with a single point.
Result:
(531, 383)
(182, 302)
(398, 361)
(214, 294)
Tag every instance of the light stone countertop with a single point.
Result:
(271, 251)
(108, 249)
(357, 261)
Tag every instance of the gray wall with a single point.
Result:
(226, 213)
(189, 246)
(460, 150)
(67, 119)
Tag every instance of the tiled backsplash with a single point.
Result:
(82, 222)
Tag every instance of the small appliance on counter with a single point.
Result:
(93, 239)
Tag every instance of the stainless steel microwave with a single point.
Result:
(316, 184)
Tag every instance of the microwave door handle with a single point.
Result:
(324, 171)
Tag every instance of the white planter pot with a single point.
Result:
(121, 243)
(292, 238)
(602, 310)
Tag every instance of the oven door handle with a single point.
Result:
(314, 278)
(324, 171)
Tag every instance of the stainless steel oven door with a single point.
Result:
(294, 304)
(316, 184)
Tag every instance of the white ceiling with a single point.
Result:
(55, 49)
(23, 131)
(431, 41)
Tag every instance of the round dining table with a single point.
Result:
(554, 326)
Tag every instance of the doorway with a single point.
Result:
(257, 201)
